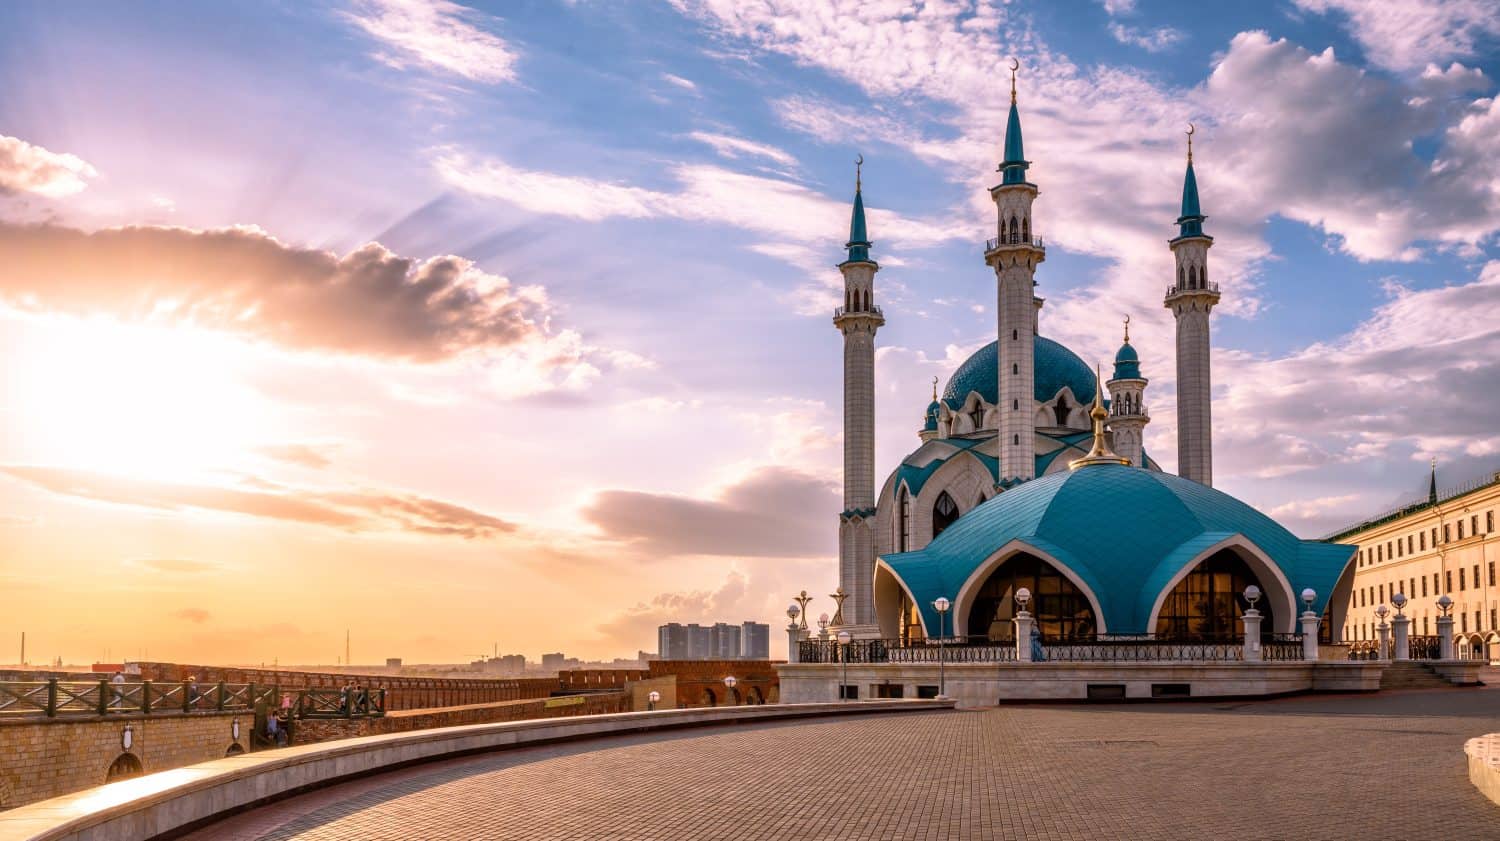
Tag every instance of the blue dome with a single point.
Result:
(930, 417)
(1056, 366)
(1127, 363)
(1125, 532)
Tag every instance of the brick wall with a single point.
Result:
(700, 683)
(402, 693)
(308, 731)
(42, 758)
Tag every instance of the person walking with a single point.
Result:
(117, 689)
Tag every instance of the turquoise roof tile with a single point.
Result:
(1054, 367)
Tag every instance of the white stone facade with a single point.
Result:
(1128, 418)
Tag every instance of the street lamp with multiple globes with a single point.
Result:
(941, 605)
(844, 637)
(652, 698)
(729, 683)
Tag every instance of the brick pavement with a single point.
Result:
(1389, 765)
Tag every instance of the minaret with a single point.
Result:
(1127, 403)
(1190, 299)
(858, 319)
(1014, 256)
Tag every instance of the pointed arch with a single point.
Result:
(944, 513)
(1278, 591)
(963, 602)
(903, 518)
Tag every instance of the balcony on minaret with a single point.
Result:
(1010, 241)
(1202, 287)
(872, 311)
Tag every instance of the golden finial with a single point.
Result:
(1100, 454)
(1014, 66)
(1190, 131)
(859, 163)
(1127, 329)
(934, 389)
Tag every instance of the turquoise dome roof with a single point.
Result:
(1125, 532)
(1127, 363)
(930, 417)
(1056, 366)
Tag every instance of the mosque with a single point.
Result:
(1028, 475)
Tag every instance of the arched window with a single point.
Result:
(1180, 276)
(1062, 611)
(1026, 230)
(1192, 277)
(1015, 231)
(977, 416)
(903, 520)
(125, 766)
(1207, 604)
(944, 513)
(1015, 440)
(1061, 411)
(1015, 405)
(1015, 335)
(1015, 368)
(848, 300)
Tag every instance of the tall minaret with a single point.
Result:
(1127, 403)
(858, 319)
(1190, 299)
(1014, 255)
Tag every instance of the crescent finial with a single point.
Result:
(1192, 129)
(1014, 66)
(1127, 329)
(859, 162)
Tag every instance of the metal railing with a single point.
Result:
(1013, 239)
(1364, 650)
(840, 312)
(1424, 647)
(1208, 286)
(54, 697)
(1103, 648)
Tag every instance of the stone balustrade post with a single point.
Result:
(1024, 623)
(1252, 652)
(793, 642)
(1445, 637)
(1400, 642)
(1310, 623)
(1384, 631)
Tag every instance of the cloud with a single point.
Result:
(436, 34)
(302, 455)
(1150, 40)
(353, 511)
(196, 615)
(1412, 33)
(685, 84)
(25, 168)
(636, 625)
(734, 147)
(370, 301)
(772, 512)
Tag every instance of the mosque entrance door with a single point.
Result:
(1062, 611)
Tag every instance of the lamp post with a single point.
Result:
(729, 683)
(652, 699)
(1384, 631)
(843, 638)
(1445, 628)
(941, 605)
(1024, 624)
(793, 635)
(823, 627)
(1400, 625)
(1310, 622)
(1251, 619)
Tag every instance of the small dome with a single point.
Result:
(1124, 531)
(1055, 367)
(1126, 354)
(930, 417)
(1127, 363)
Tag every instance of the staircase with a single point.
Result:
(1410, 674)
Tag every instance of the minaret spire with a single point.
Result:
(1014, 255)
(1191, 299)
(1127, 403)
(1100, 453)
(857, 320)
(1432, 484)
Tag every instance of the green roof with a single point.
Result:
(1190, 223)
(859, 240)
(1015, 164)
(1053, 364)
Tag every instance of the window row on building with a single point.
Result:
(1418, 541)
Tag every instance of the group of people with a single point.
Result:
(354, 699)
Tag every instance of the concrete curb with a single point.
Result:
(1484, 764)
(171, 802)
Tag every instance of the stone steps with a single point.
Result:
(1410, 674)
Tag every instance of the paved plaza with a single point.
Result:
(1389, 765)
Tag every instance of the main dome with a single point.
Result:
(1055, 367)
(1125, 532)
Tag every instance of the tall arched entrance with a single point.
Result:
(1062, 611)
(1208, 602)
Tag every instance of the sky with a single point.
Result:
(507, 325)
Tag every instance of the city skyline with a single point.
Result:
(454, 324)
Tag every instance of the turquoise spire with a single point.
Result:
(859, 240)
(1015, 164)
(1190, 223)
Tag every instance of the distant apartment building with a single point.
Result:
(720, 641)
(554, 661)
